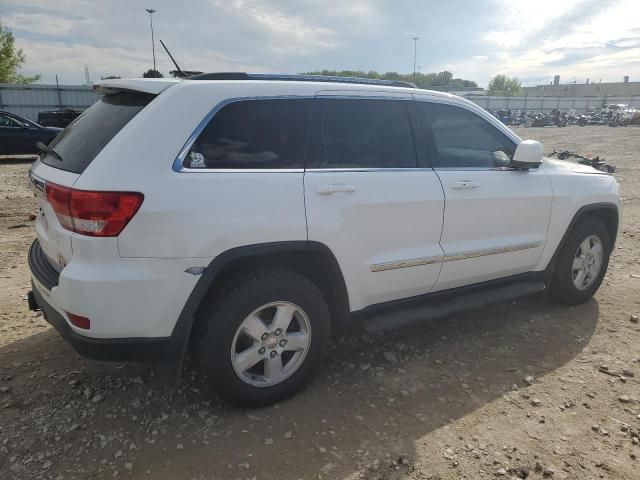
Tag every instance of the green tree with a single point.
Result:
(151, 73)
(505, 86)
(11, 59)
(425, 80)
(444, 78)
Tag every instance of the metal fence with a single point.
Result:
(28, 100)
(546, 104)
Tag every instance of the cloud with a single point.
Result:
(477, 39)
(289, 34)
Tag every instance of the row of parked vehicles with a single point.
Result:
(614, 115)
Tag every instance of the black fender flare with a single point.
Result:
(582, 211)
(178, 344)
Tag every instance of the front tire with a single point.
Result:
(582, 263)
(262, 336)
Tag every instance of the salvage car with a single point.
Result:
(281, 208)
(60, 117)
(18, 136)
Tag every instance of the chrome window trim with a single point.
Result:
(177, 163)
(479, 169)
(416, 262)
(369, 169)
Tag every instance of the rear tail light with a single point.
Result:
(98, 214)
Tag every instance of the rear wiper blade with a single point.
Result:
(46, 149)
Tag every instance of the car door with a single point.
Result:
(13, 135)
(367, 199)
(496, 217)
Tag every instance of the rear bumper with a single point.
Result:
(111, 349)
(45, 278)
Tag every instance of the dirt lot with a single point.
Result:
(446, 400)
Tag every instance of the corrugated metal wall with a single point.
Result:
(28, 100)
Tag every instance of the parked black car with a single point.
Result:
(58, 118)
(18, 136)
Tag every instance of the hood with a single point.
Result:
(555, 164)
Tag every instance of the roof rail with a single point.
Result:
(298, 78)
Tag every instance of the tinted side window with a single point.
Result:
(463, 138)
(364, 134)
(253, 134)
(6, 121)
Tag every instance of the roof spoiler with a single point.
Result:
(143, 85)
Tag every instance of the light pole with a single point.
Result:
(151, 11)
(415, 50)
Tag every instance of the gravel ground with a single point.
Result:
(524, 390)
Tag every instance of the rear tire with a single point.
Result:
(262, 336)
(582, 263)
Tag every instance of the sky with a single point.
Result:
(474, 39)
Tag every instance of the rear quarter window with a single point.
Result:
(87, 135)
(253, 134)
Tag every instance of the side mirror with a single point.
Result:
(528, 155)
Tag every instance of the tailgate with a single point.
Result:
(54, 240)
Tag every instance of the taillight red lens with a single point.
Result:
(78, 321)
(94, 213)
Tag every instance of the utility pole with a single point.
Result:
(151, 11)
(415, 51)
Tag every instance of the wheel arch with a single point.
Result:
(606, 212)
(311, 259)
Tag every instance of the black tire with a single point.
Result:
(221, 315)
(562, 286)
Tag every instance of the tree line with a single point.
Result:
(441, 79)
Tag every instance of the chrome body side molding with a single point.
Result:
(416, 262)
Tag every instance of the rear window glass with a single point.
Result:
(253, 134)
(84, 138)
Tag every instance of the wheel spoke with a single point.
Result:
(596, 249)
(254, 327)
(273, 369)
(578, 263)
(580, 277)
(247, 359)
(282, 319)
(297, 341)
(585, 246)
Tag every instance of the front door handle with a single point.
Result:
(465, 185)
(335, 188)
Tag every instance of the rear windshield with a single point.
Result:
(84, 138)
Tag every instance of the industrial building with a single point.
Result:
(586, 90)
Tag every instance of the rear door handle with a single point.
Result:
(464, 185)
(335, 188)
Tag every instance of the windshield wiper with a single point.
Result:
(44, 148)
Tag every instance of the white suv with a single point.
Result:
(242, 218)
